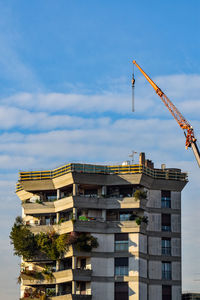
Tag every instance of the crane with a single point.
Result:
(183, 123)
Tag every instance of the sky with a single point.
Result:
(65, 96)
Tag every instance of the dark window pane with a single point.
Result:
(166, 292)
(121, 261)
(166, 222)
(166, 194)
(121, 291)
(121, 266)
(121, 237)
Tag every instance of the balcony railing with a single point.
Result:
(100, 169)
(71, 297)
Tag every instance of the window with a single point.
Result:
(121, 242)
(121, 291)
(124, 216)
(111, 215)
(166, 246)
(166, 292)
(121, 266)
(126, 191)
(81, 287)
(91, 192)
(83, 263)
(166, 199)
(166, 222)
(166, 270)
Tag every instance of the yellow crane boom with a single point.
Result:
(183, 123)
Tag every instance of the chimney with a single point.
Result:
(151, 164)
(142, 158)
(148, 163)
(163, 166)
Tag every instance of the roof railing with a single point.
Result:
(100, 169)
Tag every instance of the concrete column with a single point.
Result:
(74, 212)
(99, 192)
(75, 189)
(58, 194)
(74, 262)
(57, 265)
(73, 287)
(104, 214)
(57, 217)
(57, 269)
(57, 289)
(104, 190)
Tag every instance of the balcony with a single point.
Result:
(108, 226)
(63, 297)
(71, 297)
(91, 226)
(64, 227)
(59, 277)
(171, 174)
(108, 202)
(84, 202)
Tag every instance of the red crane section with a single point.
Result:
(183, 123)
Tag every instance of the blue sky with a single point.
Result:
(65, 95)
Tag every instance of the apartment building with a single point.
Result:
(133, 211)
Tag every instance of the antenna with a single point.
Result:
(132, 156)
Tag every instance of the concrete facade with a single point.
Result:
(133, 260)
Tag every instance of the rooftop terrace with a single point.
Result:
(165, 174)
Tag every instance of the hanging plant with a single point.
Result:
(140, 219)
(139, 195)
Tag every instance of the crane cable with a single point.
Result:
(133, 88)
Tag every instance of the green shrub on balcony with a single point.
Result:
(139, 195)
(140, 219)
(85, 242)
(30, 275)
(53, 245)
(28, 245)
